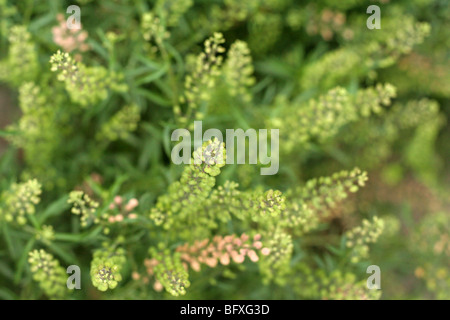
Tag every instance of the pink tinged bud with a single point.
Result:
(118, 200)
(195, 266)
(135, 275)
(257, 244)
(253, 256)
(211, 262)
(237, 242)
(225, 259)
(158, 286)
(150, 262)
(56, 33)
(244, 237)
(204, 243)
(112, 206)
(84, 47)
(238, 258)
(186, 257)
(133, 216)
(257, 237)
(145, 280)
(265, 251)
(119, 218)
(133, 203)
(111, 219)
(229, 247)
(70, 44)
(82, 36)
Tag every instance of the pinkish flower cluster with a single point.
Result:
(69, 39)
(124, 210)
(150, 264)
(136, 276)
(328, 23)
(220, 250)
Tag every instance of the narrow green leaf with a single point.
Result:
(23, 259)
(55, 208)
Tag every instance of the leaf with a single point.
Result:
(276, 68)
(23, 259)
(167, 141)
(7, 294)
(319, 262)
(180, 61)
(79, 237)
(10, 242)
(41, 22)
(55, 208)
(154, 97)
(117, 184)
(149, 150)
(334, 250)
(6, 271)
(329, 262)
(138, 71)
(34, 221)
(64, 253)
(151, 64)
(6, 133)
(152, 77)
(97, 47)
